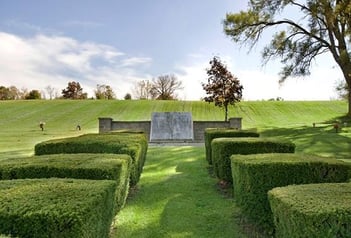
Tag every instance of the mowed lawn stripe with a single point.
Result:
(176, 197)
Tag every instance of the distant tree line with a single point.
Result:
(163, 87)
(13, 93)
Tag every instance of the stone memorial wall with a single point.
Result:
(176, 126)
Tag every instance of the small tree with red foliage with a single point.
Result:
(222, 87)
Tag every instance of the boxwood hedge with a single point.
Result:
(312, 210)
(56, 207)
(133, 144)
(213, 133)
(79, 166)
(254, 175)
(223, 148)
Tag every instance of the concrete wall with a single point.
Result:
(107, 124)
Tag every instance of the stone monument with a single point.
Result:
(171, 126)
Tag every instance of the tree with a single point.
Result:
(164, 87)
(104, 92)
(34, 94)
(128, 96)
(51, 91)
(323, 26)
(341, 89)
(222, 86)
(142, 89)
(74, 91)
(10, 93)
(4, 93)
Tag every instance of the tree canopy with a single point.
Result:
(322, 26)
(222, 87)
(104, 92)
(164, 87)
(74, 91)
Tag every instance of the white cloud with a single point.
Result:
(192, 77)
(42, 60)
(134, 61)
(54, 60)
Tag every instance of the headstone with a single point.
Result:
(174, 126)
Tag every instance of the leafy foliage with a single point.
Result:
(74, 91)
(34, 94)
(12, 93)
(128, 96)
(312, 210)
(254, 175)
(104, 92)
(56, 207)
(317, 27)
(222, 87)
(133, 144)
(224, 148)
(213, 133)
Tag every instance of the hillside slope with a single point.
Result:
(19, 120)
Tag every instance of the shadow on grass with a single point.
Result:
(321, 140)
(178, 198)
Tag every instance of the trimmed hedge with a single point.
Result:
(79, 166)
(223, 148)
(255, 175)
(213, 133)
(56, 207)
(313, 210)
(133, 144)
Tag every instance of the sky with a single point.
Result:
(121, 42)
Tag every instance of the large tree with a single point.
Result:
(222, 87)
(314, 28)
(74, 91)
(164, 87)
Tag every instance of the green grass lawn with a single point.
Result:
(176, 196)
(19, 120)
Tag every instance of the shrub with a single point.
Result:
(213, 133)
(56, 207)
(223, 148)
(133, 144)
(313, 210)
(255, 175)
(79, 166)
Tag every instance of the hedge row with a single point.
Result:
(115, 159)
(313, 210)
(56, 207)
(254, 175)
(213, 133)
(224, 148)
(79, 166)
(133, 144)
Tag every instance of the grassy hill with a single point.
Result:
(19, 120)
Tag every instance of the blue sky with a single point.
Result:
(120, 42)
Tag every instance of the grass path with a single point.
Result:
(176, 197)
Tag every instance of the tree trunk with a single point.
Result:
(226, 112)
(348, 83)
(346, 70)
(349, 100)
